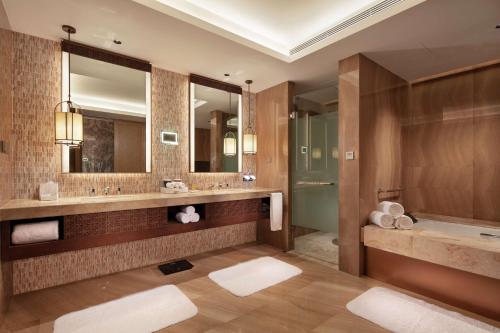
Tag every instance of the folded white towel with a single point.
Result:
(276, 211)
(189, 210)
(382, 219)
(392, 208)
(195, 217)
(403, 222)
(35, 232)
(182, 217)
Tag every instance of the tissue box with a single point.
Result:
(49, 191)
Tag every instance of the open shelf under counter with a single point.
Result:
(96, 229)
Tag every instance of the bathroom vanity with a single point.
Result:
(140, 228)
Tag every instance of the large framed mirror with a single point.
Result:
(215, 125)
(114, 94)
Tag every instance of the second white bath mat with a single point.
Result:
(252, 276)
(398, 312)
(144, 312)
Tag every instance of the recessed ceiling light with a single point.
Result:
(117, 42)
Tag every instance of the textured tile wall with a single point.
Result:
(37, 73)
(5, 158)
(6, 114)
(43, 272)
(36, 159)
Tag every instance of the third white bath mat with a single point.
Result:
(144, 312)
(252, 276)
(398, 312)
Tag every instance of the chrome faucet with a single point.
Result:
(106, 190)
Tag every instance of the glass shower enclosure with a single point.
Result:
(315, 175)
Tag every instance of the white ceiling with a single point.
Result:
(277, 25)
(430, 37)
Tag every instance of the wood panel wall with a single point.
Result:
(272, 126)
(372, 101)
(451, 160)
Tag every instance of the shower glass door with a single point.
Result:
(315, 179)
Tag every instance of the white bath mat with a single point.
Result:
(398, 312)
(144, 312)
(251, 276)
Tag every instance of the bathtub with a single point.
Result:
(447, 261)
(458, 230)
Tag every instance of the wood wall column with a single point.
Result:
(272, 160)
(372, 101)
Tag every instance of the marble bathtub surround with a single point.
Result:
(479, 256)
(36, 78)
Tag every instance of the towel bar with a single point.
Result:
(394, 190)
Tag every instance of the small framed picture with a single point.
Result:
(169, 138)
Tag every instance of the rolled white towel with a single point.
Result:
(403, 222)
(182, 217)
(189, 210)
(35, 232)
(392, 208)
(195, 217)
(383, 220)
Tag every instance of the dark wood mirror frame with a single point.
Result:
(111, 57)
(105, 55)
(216, 84)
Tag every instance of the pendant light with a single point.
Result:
(230, 144)
(230, 141)
(249, 136)
(67, 115)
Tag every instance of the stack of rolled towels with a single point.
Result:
(187, 214)
(390, 215)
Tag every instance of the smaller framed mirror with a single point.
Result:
(215, 125)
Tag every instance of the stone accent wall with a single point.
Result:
(48, 271)
(37, 88)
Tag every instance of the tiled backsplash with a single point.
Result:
(37, 88)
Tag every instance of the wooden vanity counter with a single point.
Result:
(21, 209)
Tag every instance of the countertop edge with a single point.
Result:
(19, 209)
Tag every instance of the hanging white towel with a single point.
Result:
(276, 211)
(403, 222)
(393, 208)
(182, 217)
(35, 232)
(189, 210)
(382, 219)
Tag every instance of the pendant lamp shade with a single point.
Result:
(230, 144)
(69, 125)
(249, 135)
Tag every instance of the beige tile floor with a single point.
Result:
(318, 245)
(311, 302)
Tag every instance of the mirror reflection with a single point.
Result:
(215, 129)
(115, 104)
